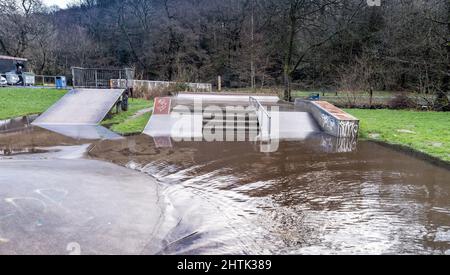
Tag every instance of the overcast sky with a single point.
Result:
(60, 3)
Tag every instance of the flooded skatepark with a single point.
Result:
(136, 195)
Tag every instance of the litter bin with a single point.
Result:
(61, 82)
(29, 79)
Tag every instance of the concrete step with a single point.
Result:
(235, 128)
(207, 112)
(238, 116)
(230, 125)
(231, 120)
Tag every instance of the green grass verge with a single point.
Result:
(132, 126)
(426, 132)
(124, 123)
(16, 102)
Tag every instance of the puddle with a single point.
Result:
(304, 198)
(24, 151)
(317, 196)
(22, 139)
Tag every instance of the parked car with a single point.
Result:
(12, 78)
(3, 81)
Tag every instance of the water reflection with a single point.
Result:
(32, 140)
(24, 151)
(15, 124)
(76, 132)
(18, 136)
(86, 132)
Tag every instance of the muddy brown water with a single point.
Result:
(229, 198)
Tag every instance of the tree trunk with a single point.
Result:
(252, 56)
(442, 102)
(290, 52)
(287, 84)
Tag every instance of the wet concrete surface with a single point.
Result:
(316, 196)
(55, 201)
(51, 206)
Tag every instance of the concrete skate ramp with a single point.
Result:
(81, 107)
(293, 125)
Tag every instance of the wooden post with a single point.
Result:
(73, 78)
(219, 83)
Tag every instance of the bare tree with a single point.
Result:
(442, 101)
(20, 25)
(250, 43)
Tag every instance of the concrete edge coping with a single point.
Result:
(336, 112)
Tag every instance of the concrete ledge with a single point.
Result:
(331, 119)
(227, 97)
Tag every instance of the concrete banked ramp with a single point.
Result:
(81, 107)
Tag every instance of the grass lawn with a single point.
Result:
(132, 126)
(130, 122)
(426, 132)
(16, 102)
(380, 98)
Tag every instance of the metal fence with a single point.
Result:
(100, 78)
(45, 80)
(155, 85)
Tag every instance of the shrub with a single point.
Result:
(402, 101)
(148, 93)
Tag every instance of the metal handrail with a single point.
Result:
(261, 112)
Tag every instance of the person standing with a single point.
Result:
(19, 72)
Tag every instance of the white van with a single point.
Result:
(3, 81)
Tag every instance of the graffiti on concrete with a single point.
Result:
(328, 123)
(348, 128)
(338, 145)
